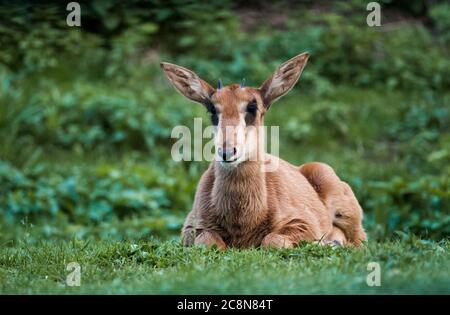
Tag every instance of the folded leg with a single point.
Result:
(339, 199)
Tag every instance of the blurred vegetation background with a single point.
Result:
(86, 114)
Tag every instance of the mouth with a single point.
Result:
(229, 161)
(230, 164)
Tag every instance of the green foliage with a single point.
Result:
(412, 205)
(440, 14)
(133, 189)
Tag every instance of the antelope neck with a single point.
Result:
(241, 190)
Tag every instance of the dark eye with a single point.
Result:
(252, 107)
(214, 117)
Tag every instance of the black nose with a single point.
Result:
(227, 154)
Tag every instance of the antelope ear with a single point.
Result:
(187, 82)
(283, 79)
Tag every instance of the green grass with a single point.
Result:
(154, 267)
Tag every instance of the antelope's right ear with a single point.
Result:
(187, 82)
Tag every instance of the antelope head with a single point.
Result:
(237, 110)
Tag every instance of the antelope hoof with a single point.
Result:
(210, 240)
(333, 243)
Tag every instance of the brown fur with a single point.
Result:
(248, 206)
(339, 199)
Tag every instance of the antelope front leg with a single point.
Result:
(290, 233)
(277, 241)
(210, 238)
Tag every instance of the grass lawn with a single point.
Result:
(155, 267)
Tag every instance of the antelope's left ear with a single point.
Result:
(187, 82)
(283, 79)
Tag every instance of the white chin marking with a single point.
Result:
(229, 166)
